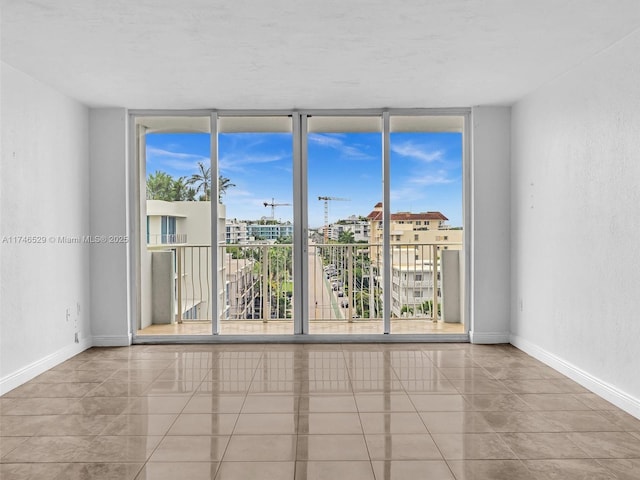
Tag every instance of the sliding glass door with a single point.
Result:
(255, 164)
(344, 184)
(314, 223)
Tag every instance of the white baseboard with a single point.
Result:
(34, 369)
(610, 393)
(111, 340)
(489, 337)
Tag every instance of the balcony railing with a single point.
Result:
(255, 282)
(166, 238)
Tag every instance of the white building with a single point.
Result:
(359, 228)
(236, 232)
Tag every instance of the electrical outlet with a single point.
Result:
(68, 315)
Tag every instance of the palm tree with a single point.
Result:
(202, 181)
(223, 184)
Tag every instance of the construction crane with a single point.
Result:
(273, 206)
(326, 213)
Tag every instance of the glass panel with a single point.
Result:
(256, 163)
(344, 184)
(426, 224)
(174, 155)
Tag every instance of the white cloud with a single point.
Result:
(335, 142)
(417, 152)
(439, 178)
(174, 160)
(235, 162)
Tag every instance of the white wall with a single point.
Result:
(44, 193)
(490, 233)
(109, 266)
(576, 279)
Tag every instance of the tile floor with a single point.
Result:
(311, 412)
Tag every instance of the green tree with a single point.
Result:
(202, 181)
(223, 184)
(162, 186)
(346, 236)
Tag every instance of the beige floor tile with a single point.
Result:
(439, 403)
(455, 422)
(607, 444)
(496, 403)
(627, 422)
(330, 409)
(100, 471)
(491, 470)
(522, 373)
(473, 446)
(412, 470)
(121, 448)
(327, 423)
(429, 386)
(594, 401)
(99, 406)
(204, 424)
(373, 385)
(195, 448)
(115, 388)
(520, 422)
(574, 469)
(480, 386)
(270, 404)
(461, 373)
(144, 425)
(228, 387)
(62, 425)
(47, 449)
(52, 390)
(37, 406)
(214, 403)
(553, 401)
(380, 402)
(178, 470)
(31, 471)
(332, 447)
(328, 403)
(542, 445)
(333, 470)
(261, 448)
(157, 405)
(392, 422)
(8, 444)
(581, 421)
(255, 470)
(266, 423)
(72, 376)
(626, 469)
(172, 387)
(402, 447)
(22, 425)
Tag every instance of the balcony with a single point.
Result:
(345, 291)
(166, 239)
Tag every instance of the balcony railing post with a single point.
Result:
(350, 270)
(178, 253)
(434, 269)
(265, 287)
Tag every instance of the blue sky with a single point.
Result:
(426, 171)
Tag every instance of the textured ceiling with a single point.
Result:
(303, 54)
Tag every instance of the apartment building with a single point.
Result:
(358, 228)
